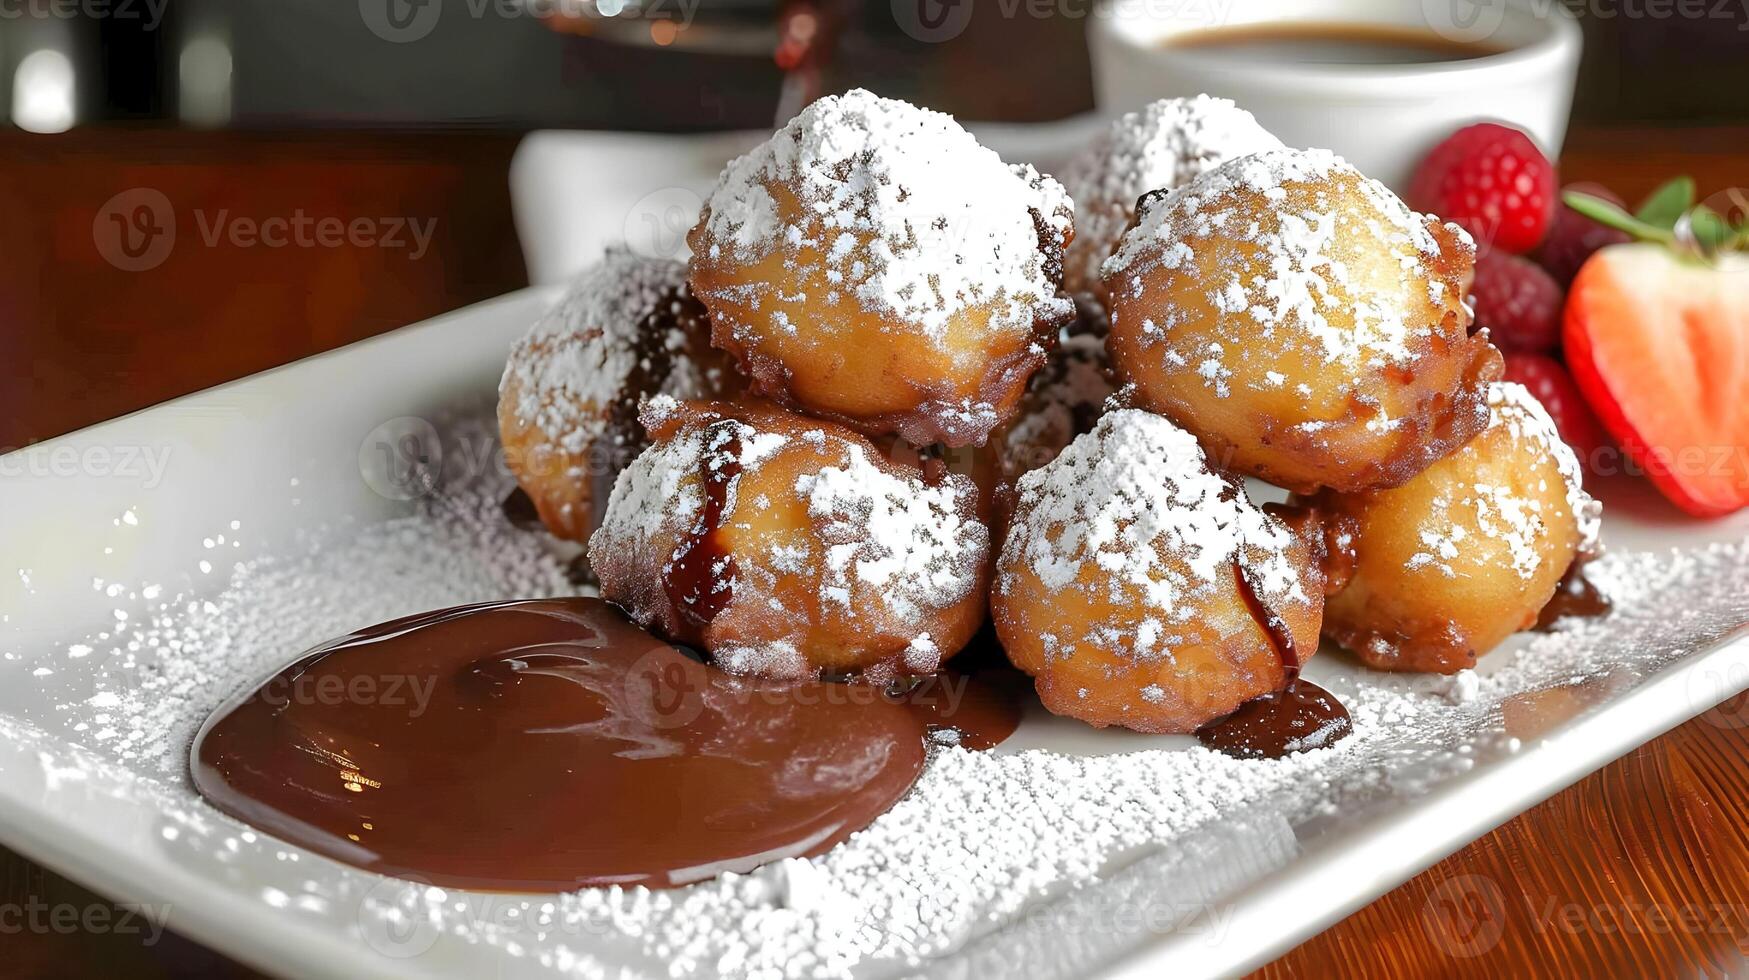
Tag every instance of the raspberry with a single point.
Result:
(1573, 237)
(1518, 302)
(1493, 181)
(1549, 381)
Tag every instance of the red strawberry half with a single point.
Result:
(1659, 344)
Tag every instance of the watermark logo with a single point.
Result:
(402, 459)
(400, 21)
(394, 920)
(1464, 21)
(656, 226)
(1721, 692)
(1465, 915)
(932, 21)
(135, 230)
(1717, 230)
(666, 689)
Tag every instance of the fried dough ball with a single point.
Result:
(1161, 147)
(1468, 552)
(1123, 584)
(872, 264)
(787, 546)
(1299, 319)
(627, 328)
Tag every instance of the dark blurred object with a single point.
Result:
(683, 65)
(1664, 69)
(133, 63)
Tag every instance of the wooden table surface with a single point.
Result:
(1641, 869)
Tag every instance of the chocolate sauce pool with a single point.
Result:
(1576, 597)
(547, 745)
(1297, 718)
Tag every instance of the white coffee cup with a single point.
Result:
(1383, 118)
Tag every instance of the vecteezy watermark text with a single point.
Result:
(301, 230)
(41, 918)
(410, 691)
(145, 464)
(149, 12)
(136, 230)
(406, 21)
(1469, 21)
(935, 21)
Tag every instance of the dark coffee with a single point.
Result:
(1316, 43)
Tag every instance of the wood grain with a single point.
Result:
(85, 341)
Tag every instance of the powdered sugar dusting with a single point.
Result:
(573, 365)
(1160, 147)
(1293, 208)
(1136, 501)
(901, 536)
(882, 546)
(908, 213)
(1514, 406)
(1498, 510)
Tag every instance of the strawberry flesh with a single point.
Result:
(1660, 347)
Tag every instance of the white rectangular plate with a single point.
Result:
(146, 515)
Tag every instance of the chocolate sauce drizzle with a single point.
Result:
(547, 745)
(700, 579)
(1575, 597)
(1296, 718)
(520, 512)
(653, 359)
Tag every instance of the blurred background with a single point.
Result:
(413, 108)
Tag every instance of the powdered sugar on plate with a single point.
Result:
(1014, 861)
(1160, 147)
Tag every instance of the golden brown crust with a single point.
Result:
(822, 556)
(1311, 333)
(1468, 552)
(1122, 587)
(567, 408)
(873, 265)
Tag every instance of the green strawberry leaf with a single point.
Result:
(1665, 205)
(1609, 215)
